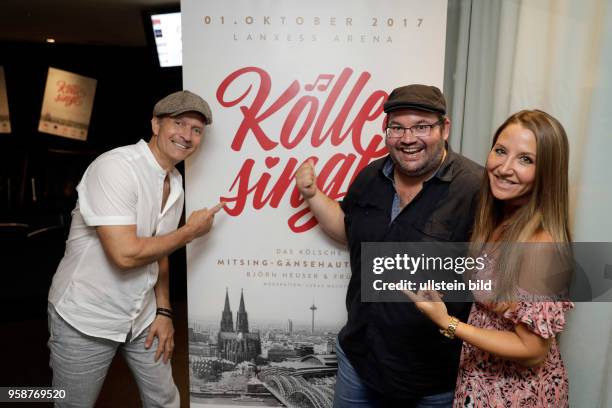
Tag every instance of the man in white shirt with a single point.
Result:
(110, 291)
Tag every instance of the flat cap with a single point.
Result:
(416, 96)
(181, 102)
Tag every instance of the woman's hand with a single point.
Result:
(430, 303)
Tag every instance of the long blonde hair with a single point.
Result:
(547, 208)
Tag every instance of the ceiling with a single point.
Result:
(102, 22)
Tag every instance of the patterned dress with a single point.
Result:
(488, 381)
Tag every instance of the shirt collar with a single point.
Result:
(146, 151)
(446, 171)
(388, 168)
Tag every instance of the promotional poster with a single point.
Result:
(287, 81)
(67, 104)
(5, 121)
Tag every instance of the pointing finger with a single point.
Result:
(217, 207)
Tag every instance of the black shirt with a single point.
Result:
(396, 350)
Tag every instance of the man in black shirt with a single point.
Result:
(388, 353)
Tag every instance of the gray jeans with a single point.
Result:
(80, 363)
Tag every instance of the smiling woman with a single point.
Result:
(511, 165)
(529, 154)
(510, 354)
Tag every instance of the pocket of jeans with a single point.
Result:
(50, 320)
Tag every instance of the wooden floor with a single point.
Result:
(25, 362)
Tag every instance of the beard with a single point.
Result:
(430, 163)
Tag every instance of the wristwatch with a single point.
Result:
(450, 330)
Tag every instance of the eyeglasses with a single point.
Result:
(420, 130)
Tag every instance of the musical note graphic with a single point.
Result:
(325, 81)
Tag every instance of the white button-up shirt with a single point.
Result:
(121, 187)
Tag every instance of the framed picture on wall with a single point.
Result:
(67, 104)
(5, 122)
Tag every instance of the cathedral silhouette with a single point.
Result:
(237, 345)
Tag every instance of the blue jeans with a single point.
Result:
(351, 392)
(80, 362)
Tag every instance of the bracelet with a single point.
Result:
(450, 330)
(169, 316)
(164, 312)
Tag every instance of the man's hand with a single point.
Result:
(327, 211)
(163, 329)
(306, 179)
(200, 221)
